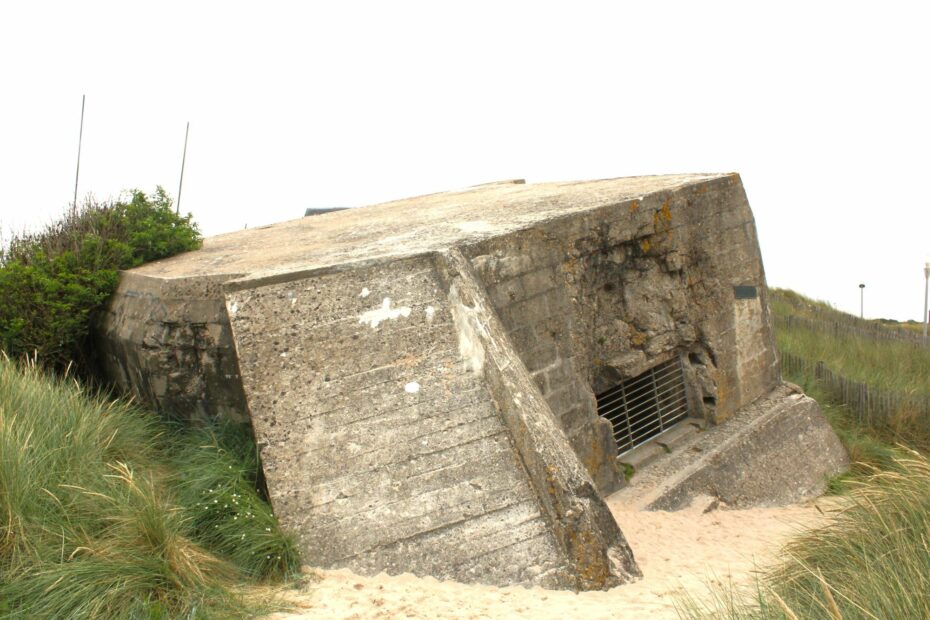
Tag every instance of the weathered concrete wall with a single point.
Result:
(396, 457)
(527, 286)
(598, 297)
(421, 375)
(393, 452)
(597, 552)
(168, 342)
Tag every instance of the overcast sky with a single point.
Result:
(822, 107)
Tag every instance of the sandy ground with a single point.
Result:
(677, 551)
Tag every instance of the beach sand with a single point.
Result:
(687, 550)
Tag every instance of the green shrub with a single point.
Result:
(53, 282)
(102, 510)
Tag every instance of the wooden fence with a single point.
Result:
(874, 331)
(871, 405)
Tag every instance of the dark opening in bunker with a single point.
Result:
(646, 405)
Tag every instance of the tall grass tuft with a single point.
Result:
(872, 561)
(217, 477)
(96, 516)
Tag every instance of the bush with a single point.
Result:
(102, 510)
(53, 282)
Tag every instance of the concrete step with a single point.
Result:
(777, 450)
(674, 439)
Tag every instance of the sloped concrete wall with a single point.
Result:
(525, 279)
(384, 445)
(778, 450)
(598, 554)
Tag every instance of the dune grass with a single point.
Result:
(885, 364)
(217, 474)
(105, 512)
(871, 562)
(874, 561)
(785, 301)
(889, 365)
(900, 367)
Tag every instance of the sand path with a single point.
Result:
(684, 550)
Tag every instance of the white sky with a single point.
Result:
(822, 107)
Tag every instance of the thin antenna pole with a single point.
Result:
(177, 210)
(926, 289)
(77, 173)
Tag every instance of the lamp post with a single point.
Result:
(926, 287)
(861, 300)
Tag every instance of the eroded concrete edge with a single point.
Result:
(584, 528)
(757, 462)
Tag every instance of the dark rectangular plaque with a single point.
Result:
(745, 292)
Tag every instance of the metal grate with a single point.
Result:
(645, 406)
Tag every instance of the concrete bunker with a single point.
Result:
(429, 380)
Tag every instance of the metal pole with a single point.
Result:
(926, 287)
(77, 173)
(177, 209)
(861, 300)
